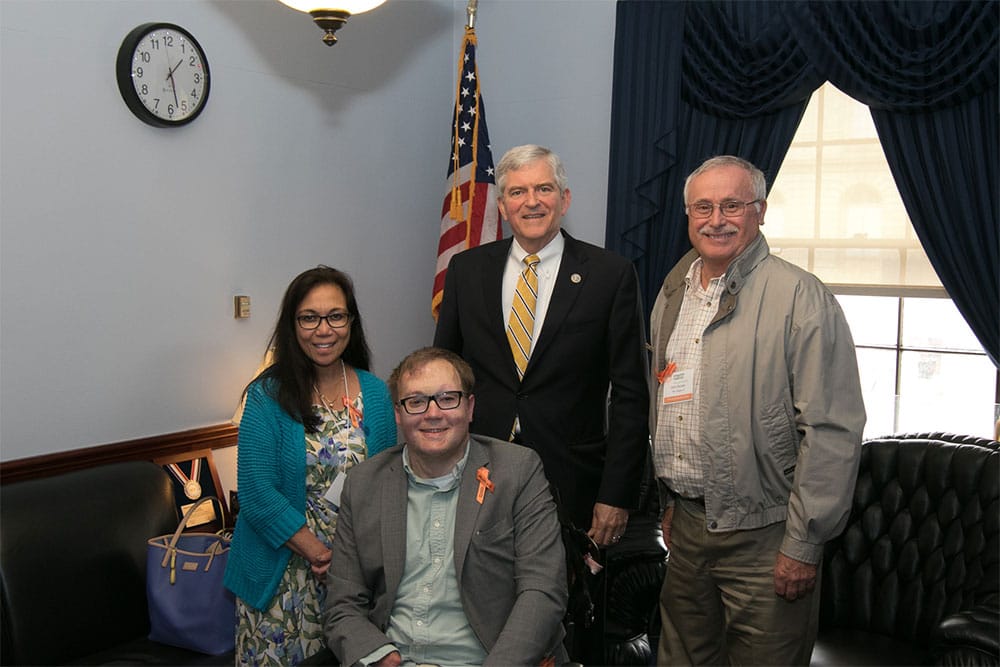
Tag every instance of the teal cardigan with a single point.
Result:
(271, 477)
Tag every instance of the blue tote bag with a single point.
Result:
(188, 605)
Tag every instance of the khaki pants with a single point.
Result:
(718, 605)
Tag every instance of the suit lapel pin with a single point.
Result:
(483, 475)
(575, 278)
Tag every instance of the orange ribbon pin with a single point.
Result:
(353, 412)
(665, 374)
(483, 475)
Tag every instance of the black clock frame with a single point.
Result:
(123, 71)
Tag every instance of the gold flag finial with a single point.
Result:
(470, 11)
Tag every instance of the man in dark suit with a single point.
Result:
(574, 388)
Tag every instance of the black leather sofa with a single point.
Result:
(914, 578)
(72, 567)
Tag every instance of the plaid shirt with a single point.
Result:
(676, 446)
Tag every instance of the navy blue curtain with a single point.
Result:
(695, 79)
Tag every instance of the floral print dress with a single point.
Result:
(292, 628)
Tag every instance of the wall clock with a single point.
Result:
(163, 74)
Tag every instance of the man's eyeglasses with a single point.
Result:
(335, 320)
(418, 404)
(729, 208)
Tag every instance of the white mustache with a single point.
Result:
(724, 229)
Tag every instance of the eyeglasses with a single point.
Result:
(445, 400)
(335, 320)
(729, 208)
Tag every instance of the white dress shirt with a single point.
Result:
(548, 268)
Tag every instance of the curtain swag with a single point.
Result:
(700, 78)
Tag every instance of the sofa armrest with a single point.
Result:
(73, 560)
(970, 637)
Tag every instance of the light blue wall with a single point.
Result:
(545, 68)
(122, 245)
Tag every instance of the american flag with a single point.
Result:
(469, 215)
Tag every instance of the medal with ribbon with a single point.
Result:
(191, 485)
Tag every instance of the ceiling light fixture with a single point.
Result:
(330, 15)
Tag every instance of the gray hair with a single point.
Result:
(757, 182)
(521, 156)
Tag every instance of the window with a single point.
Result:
(922, 368)
(834, 210)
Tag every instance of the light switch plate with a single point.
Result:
(242, 307)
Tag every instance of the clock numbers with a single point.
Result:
(166, 74)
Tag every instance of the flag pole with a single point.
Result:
(470, 11)
(469, 213)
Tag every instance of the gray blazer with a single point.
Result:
(509, 556)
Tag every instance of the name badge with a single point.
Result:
(679, 387)
(333, 493)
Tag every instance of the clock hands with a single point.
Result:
(173, 85)
(170, 74)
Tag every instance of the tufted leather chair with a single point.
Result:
(624, 625)
(914, 577)
(635, 571)
(631, 583)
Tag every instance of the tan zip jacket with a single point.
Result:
(781, 408)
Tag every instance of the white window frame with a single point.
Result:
(906, 244)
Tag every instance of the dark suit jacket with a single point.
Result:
(593, 338)
(509, 559)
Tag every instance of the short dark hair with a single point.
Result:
(425, 355)
(292, 369)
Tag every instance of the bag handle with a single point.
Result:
(172, 546)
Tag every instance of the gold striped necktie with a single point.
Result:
(522, 314)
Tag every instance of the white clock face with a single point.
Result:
(169, 74)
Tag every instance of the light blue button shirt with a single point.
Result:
(428, 623)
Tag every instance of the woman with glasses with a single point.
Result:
(309, 417)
